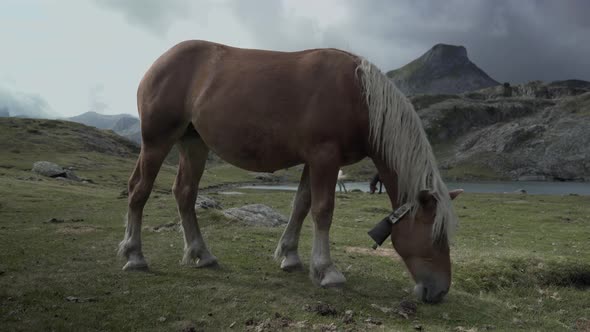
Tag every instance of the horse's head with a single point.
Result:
(428, 261)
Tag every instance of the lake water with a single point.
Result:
(531, 187)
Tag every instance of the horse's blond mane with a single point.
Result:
(398, 136)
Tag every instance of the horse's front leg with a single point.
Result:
(323, 176)
(287, 248)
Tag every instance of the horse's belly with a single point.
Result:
(252, 151)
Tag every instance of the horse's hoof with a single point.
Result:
(140, 265)
(333, 279)
(210, 261)
(291, 264)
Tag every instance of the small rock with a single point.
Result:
(231, 326)
(373, 321)
(266, 177)
(161, 319)
(256, 214)
(325, 327)
(80, 300)
(417, 327)
(48, 169)
(206, 202)
(348, 317)
(383, 309)
(54, 221)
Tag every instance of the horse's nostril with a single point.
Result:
(425, 294)
(429, 298)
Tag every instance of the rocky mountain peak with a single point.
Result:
(443, 54)
(444, 69)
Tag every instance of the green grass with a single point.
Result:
(519, 261)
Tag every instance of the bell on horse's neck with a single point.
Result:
(380, 232)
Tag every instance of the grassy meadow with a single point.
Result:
(520, 262)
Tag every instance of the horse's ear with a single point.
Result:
(455, 193)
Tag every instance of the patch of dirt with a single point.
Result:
(75, 229)
(381, 252)
(583, 325)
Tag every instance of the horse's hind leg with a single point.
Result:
(193, 155)
(323, 177)
(287, 248)
(139, 188)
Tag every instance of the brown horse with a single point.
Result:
(264, 111)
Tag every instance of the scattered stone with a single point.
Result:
(54, 221)
(383, 309)
(75, 299)
(323, 309)
(348, 317)
(418, 327)
(231, 326)
(161, 319)
(48, 169)
(206, 202)
(325, 327)
(256, 214)
(55, 171)
(373, 321)
(267, 177)
(169, 227)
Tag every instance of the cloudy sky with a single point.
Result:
(71, 56)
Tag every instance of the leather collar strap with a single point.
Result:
(399, 213)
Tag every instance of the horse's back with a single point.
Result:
(255, 106)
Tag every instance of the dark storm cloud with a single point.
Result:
(512, 41)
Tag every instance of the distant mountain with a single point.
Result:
(444, 69)
(123, 124)
(101, 121)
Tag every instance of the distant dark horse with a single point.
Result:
(373, 184)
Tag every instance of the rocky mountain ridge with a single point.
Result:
(532, 131)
